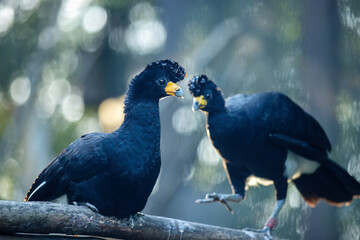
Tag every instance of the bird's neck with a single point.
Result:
(143, 115)
(215, 116)
(139, 92)
(218, 112)
(220, 118)
(141, 128)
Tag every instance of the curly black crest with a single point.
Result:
(166, 67)
(178, 71)
(197, 84)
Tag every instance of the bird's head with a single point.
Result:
(158, 80)
(207, 96)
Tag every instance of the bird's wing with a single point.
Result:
(275, 115)
(79, 161)
(299, 147)
(287, 124)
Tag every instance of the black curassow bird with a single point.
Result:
(114, 173)
(268, 136)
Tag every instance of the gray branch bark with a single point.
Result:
(46, 217)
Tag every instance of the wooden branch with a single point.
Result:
(32, 236)
(46, 217)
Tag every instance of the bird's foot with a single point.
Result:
(92, 207)
(132, 219)
(266, 230)
(88, 205)
(221, 198)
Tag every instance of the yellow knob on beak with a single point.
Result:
(199, 103)
(173, 89)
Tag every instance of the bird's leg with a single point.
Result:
(88, 205)
(221, 198)
(272, 221)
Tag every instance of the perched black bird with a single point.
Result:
(114, 173)
(268, 136)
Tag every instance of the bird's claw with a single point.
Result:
(92, 207)
(209, 198)
(266, 230)
(226, 205)
(214, 197)
(205, 200)
(88, 205)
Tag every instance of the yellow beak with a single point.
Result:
(199, 103)
(173, 89)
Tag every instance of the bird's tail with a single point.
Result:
(40, 190)
(329, 182)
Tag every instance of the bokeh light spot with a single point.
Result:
(142, 11)
(87, 125)
(94, 19)
(28, 5)
(111, 113)
(73, 107)
(20, 90)
(145, 37)
(184, 121)
(207, 153)
(7, 15)
(69, 61)
(50, 95)
(48, 38)
(6, 186)
(59, 88)
(45, 104)
(70, 14)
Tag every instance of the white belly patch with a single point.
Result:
(296, 165)
(253, 181)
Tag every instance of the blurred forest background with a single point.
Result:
(65, 66)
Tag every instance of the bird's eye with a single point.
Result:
(162, 81)
(207, 95)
